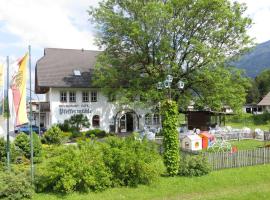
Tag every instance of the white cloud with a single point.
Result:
(47, 23)
(64, 23)
(259, 12)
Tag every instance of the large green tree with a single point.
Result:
(263, 82)
(260, 86)
(144, 41)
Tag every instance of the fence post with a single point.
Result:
(264, 155)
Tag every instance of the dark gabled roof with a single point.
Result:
(56, 68)
(265, 101)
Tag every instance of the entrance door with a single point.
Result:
(129, 122)
(123, 127)
(126, 123)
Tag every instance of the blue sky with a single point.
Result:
(64, 24)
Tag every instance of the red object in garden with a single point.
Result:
(234, 149)
(207, 139)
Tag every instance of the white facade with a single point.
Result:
(192, 143)
(112, 117)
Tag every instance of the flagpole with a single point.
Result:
(30, 119)
(8, 142)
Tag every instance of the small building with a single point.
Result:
(265, 103)
(207, 139)
(192, 143)
(203, 120)
(252, 108)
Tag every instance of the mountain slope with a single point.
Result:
(256, 60)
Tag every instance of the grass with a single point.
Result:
(230, 184)
(252, 126)
(249, 120)
(248, 144)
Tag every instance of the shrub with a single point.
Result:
(262, 119)
(132, 162)
(53, 135)
(74, 169)
(15, 187)
(95, 166)
(64, 126)
(96, 133)
(22, 145)
(193, 166)
(79, 121)
(2, 150)
(75, 134)
(170, 140)
(3, 154)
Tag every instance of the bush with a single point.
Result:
(3, 155)
(95, 133)
(74, 169)
(95, 166)
(262, 118)
(64, 126)
(53, 135)
(2, 150)
(193, 166)
(22, 145)
(79, 121)
(15, 187)
(132, 162)
(75, 134)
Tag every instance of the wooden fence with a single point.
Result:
(242, 158)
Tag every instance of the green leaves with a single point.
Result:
(146, 40)
(170, 139)
(217, 87)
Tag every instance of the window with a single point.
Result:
(77, 72)
(85, 96)
(72, 96)
(148, 119)
(156, 119)
(95, 121)
(93, 96)
(63, 96)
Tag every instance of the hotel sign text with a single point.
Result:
(74, 109)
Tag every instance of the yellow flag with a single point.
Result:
(19, 92)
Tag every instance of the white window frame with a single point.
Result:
(156, 119)
(72, 98)
(85, 96)
(94, 96)
(63, 94)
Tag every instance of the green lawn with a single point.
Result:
(249, 125)
(248, 144)
(250, 183)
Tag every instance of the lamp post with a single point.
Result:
(167, 84)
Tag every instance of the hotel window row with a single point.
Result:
(72, 96)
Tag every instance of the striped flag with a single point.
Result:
(18, 87)
(1, 89)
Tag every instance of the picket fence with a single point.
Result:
(241, 158)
